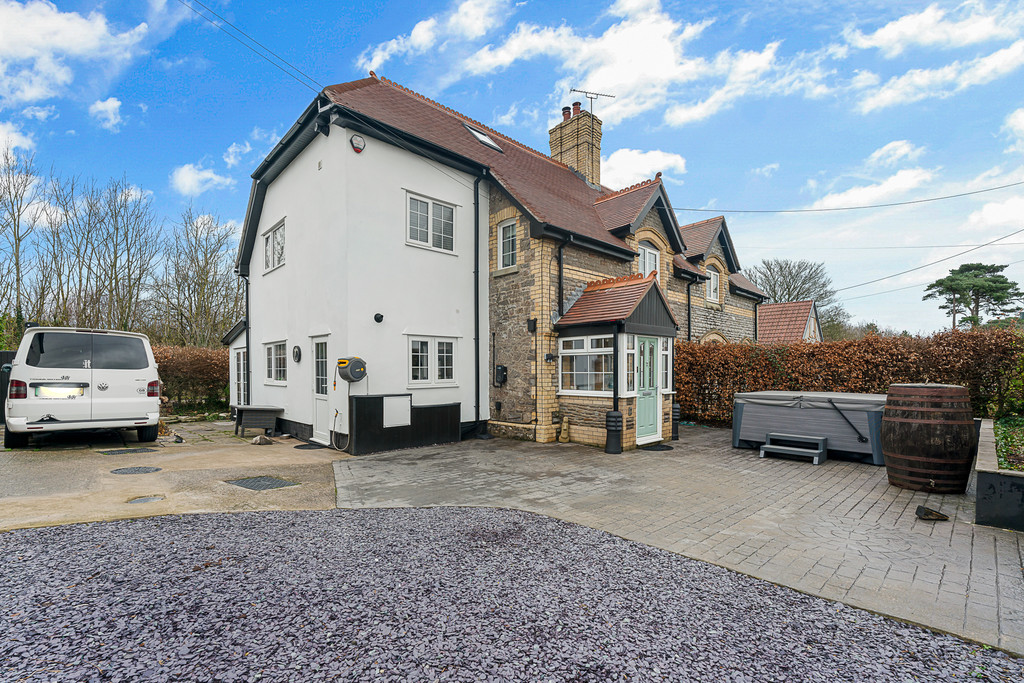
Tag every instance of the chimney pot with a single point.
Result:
(576, 108)
(566, 113)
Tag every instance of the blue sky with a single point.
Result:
(742, 105)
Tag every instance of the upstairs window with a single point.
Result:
(713, 289)
(507, 244)
(649, 257)
(431, 224)
(273, 247)
(483, 138)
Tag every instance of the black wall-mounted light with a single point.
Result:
(378, 317)
(531, 325)
(549, 357)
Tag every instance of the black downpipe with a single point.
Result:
(615, 368)
(689, 315)
(247, 400)
(756, 304)
(476, 294)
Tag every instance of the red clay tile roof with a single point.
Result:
(698, 236)
(548, 189)
(783, 323)
(740, 281)
(611, 300)
(679, 261)
(617, 209)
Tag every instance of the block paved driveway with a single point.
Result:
(837, 530)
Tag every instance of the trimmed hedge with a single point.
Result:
(986, 361)
(193, 375)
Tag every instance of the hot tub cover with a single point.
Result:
(813, 399)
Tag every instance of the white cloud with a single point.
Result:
(744, 71)
(235, 152)
(893, 153)
(945, 81)
(766, 171)
(890, 189)
(40, 113)
(932, 28)
(1015, 127)
(625, 167)
(37, 41)
(509, 117)
(192, 180)
(11, 136)
(467, 20)
(1005, 213)
(107, 113)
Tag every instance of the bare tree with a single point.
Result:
(197, 294)
(128, 244)
(785, 280)
(20, 194)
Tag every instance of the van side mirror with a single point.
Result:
(6, 367)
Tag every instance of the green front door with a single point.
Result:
(648, 413)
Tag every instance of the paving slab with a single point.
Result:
(837, 530)
(67, 478)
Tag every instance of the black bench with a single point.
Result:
(255, 417)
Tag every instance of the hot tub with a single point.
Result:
(811, 413)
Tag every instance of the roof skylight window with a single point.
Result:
(483, 138)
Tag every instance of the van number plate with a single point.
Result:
(59, 392)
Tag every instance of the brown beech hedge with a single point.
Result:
(988, 362)
(193, 375)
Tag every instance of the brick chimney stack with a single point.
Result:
(576, 142)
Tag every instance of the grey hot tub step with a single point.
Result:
(816, 447)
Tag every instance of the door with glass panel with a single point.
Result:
(321, 407)
(648, 413)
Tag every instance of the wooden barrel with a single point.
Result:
(928, 437)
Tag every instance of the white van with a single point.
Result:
(64, 379)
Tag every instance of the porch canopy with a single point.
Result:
(632, 303)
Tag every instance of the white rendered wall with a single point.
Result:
(346, 259)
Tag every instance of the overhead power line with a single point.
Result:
(887, 248)
(302, 78)
(900, 289)
(858, 208)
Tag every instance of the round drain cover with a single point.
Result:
(135, 470)
(146, 499)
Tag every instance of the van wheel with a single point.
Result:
(148, 433)
(15, 439)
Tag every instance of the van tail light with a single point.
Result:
(17, 389)
(153, 389)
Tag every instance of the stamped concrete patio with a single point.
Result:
(836, 530)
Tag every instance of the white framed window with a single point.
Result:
(666, 365)
(630, 363)
(431, 224)
(713, 290)
(649, 257)
(586, 364)
(507, 244)
(241, 383)
(431, 361)
(277, 362)
(273, 247)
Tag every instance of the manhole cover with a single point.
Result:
(135, 470)
(261, 483)
(128, 451)
(146, 499)
(657, 447)
(308, 446)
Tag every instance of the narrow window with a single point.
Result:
(320, 368)
(649, 256)
(419, 361)
(241, 390)
(418, 220)
(445, 361)
(666, 364)
(273, 247)
(507, 245)
(444, 227)
(630, 363)
(712, 286)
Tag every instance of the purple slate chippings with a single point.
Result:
(434, 594)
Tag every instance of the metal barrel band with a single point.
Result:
(922, 409)
(886, 418)
(916, 458)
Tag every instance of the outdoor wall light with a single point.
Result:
(378, 317)
(549, 357)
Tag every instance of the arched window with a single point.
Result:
(649, 256)
(713, 289)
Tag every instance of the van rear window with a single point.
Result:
(80, 350)
(60, 350)
(110, 352)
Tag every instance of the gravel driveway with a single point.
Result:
(450, 594)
